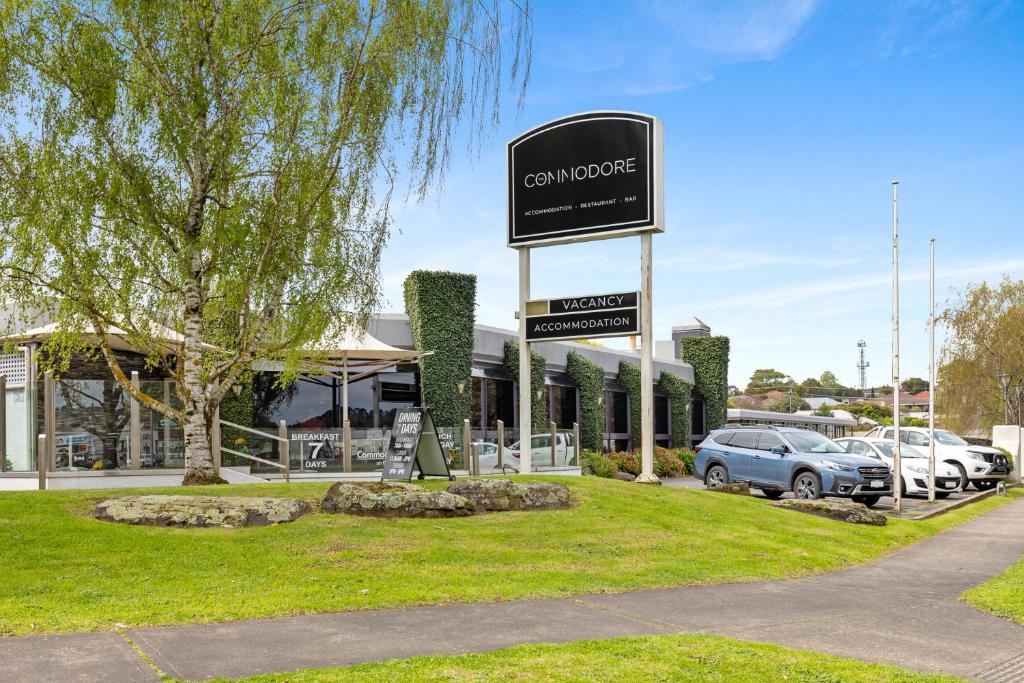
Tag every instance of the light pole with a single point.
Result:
(931, 377)
(896, 464)
(1004, 382)
(1020, 394)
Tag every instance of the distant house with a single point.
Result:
(816, 402)
(910, 403)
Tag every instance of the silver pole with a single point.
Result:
(501, 444)
(896, 463)
(646, 365)
(525, 391)
(931, 378)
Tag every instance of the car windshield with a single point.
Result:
(812, 442)
(949, 438)
(905, 450)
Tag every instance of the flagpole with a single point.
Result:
(931, 377)
(897, 475)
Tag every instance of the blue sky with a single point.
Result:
(785, 123)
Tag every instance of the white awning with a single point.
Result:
(116, 336)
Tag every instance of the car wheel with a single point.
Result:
(903, 487)
(870, 501)
(772, 494)
(807, 486)
(985, 484)
(717, 475)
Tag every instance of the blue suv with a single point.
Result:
(781, 459)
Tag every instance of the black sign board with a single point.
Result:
(586, 176)
(583, 317)
(414, 445)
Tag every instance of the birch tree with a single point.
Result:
(226, 168)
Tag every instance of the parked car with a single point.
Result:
(488, 454)
(565, 450)
(913, 465)
(781, 459)
(979, 465)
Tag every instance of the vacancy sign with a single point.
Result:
(583, 317)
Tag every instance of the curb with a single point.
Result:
(981, 495)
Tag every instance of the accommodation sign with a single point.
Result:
(584, 177)
(583, 317)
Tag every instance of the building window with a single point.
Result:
(617, 412)
(563, 406)
(501, 402)
(397, 390)
(661, 415)
(698, 425)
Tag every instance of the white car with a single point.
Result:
(913, 465)
(979, 465)
(565, 450)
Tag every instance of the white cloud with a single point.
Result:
(746, 30)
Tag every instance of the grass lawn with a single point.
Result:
(652, 658)
(1004, 594)
(61, 570)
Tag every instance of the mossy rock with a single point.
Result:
(200, 511)
(501, 495)
(393, 499)
(844, 511)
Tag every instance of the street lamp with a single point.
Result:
(1020, 394)
(1004, 382)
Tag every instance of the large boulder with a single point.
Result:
(737, 488)
(623, 476)
(844, 511)
(393, 499)
(200, 511)
(502, 495)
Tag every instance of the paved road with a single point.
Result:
(902, 609)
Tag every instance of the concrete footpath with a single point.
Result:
(902, 610)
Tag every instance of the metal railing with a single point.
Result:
(282, 446)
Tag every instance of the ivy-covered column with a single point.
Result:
(588, 377)
(709, 357)
(538, 406)
(441, 307)
(629, 377)
(678, 391)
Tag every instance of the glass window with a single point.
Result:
(661, 415)
(306, 402)
(91, 424)
(768, 441)
(476, 413)
(501, 403)
(618, 412)
(697, 423)
(723, 439)
(563, 406)
(744, 440)
(397, 390)
(916, 439)
(812, 442)
(949, 438)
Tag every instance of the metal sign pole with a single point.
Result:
(897, 475)
(525, 391)
(931, 377)
(646, 365)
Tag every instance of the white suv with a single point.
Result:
(979, 465)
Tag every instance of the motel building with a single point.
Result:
(96, 429)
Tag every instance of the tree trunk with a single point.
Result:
(199, 467)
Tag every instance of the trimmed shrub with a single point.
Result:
(538, 406)
(678, 391)
(687, 457)
(666, 462)
(596, 464)
(588, 377)
(1009, 458)
(709, 357)
(441, 307)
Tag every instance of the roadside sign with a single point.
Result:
(583, 317)
(414, 445)
(584, 177)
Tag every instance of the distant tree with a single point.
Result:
(914, 385)
(829, 379)
(768, 379)
(787, 404)
(869, 410)
(810, 387)
(984, 338)
(824, 411)
(884, 390)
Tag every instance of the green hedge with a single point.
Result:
(709, 357)
(678, 391)
(441, 307)
(629, 377)
(588, 377)
(538, 406)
